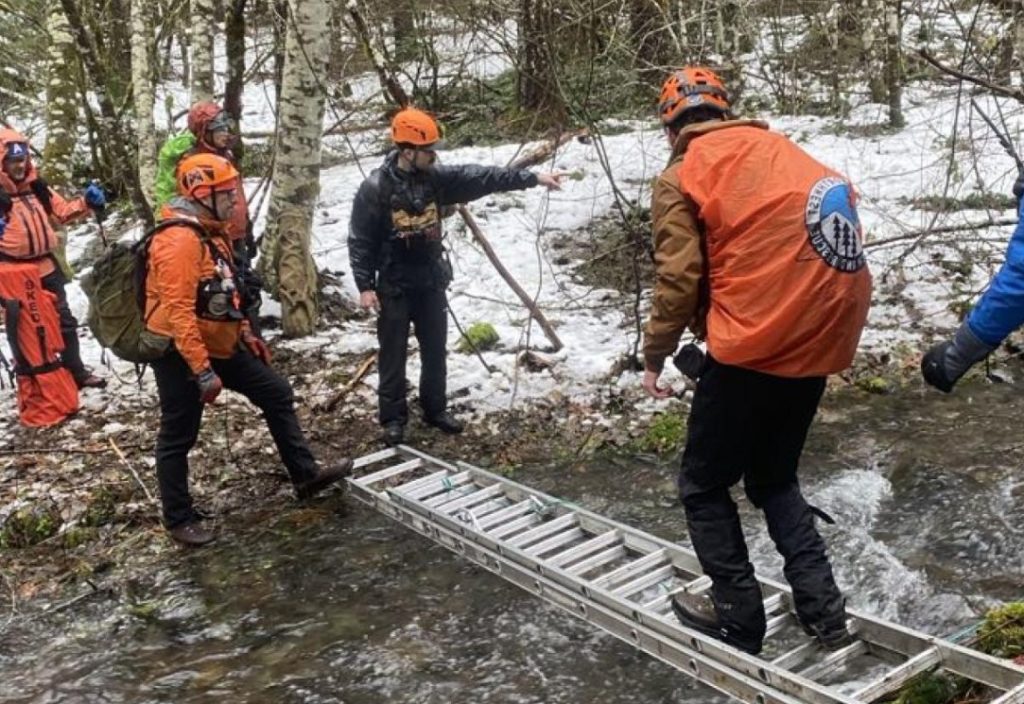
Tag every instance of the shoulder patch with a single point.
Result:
(833, 225)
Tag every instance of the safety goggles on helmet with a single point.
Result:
(222, 122)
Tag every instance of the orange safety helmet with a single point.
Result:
(200, 174)
(688, 88)
(415, 127)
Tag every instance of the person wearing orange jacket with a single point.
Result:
(758, 250)
(28, 209)
(192, 299)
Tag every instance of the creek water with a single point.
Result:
(337, 604)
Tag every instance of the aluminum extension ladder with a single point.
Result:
(621, 580)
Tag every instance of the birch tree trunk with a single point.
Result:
(61, 98)
(142, 91)
(202, 28)
(894, 63)
(872, 51)
(286, 261)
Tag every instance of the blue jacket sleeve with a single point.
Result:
(1001, 309)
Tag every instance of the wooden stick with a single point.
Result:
(939, 230)
(131, 469)
(344, 391)
(535, 312)
(1014, 93)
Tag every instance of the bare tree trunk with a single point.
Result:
(538, 87)
(61, 99)
(234, 34)
(142, 86)
(403, 29)
(872, 12)
(286, 242)
(202, 28)
(110, 126)
(894, 62)
(1017, 33)
(279, 10)
(649, 27)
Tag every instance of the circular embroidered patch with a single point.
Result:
(833, 225)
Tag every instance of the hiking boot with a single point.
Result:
(88, 380)
(831, 632)
(698, 612)
(394, 433)
(192, 534)
(445, 422)
(324, 478)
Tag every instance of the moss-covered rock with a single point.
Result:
(665, 434)
(479, 337)
(1002, 632)
(30, 525)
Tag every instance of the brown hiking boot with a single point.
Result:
(324, 478)
(90, 381)
(192, 534)
(698, 611)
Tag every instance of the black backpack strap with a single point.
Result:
(41, 189)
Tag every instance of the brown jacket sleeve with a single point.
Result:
(679, 268)
(174, 260)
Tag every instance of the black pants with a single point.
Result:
(72, 356)
(181, 413)
(427, 310)
(752, 426)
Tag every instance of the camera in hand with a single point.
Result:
(689, 360)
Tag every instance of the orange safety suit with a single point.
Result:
(29, 235)
(758, 247)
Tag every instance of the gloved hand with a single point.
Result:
(257, 346)
(944, 364)
(210, 385)
(95, 198)
(1018, 186)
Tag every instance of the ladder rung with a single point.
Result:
(474, 499)
(646, 581)
(461, 491)
(502, 530)
(556, 541)
(374, 457)
(1013, 696)
(899, 676)
(777, 623)
(473, 515)
(584, 549)
(792, 658)
(773, 602)
(389, 472)
(661, 602)
(496, 517)
(630, 569)
(422, 481)
(836, 660)
(602, 558)
(447, 484)
(543, 531)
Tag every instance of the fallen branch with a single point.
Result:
(1014, 93)
(60, 450)
(919, 234)
(344, 391)
(535, 312)
(128, 465)
(543, 151)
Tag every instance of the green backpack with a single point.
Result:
(167, 167)
(116, 289)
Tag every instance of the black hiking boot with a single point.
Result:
(831, 632)
(698, 612)
(192, 534)
(394, 433)
(324, 478)
(88, 380)
(445, 422)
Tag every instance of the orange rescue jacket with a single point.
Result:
(29, 235)
(787, 281)
(179, 263)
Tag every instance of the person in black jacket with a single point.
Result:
(399, 262)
